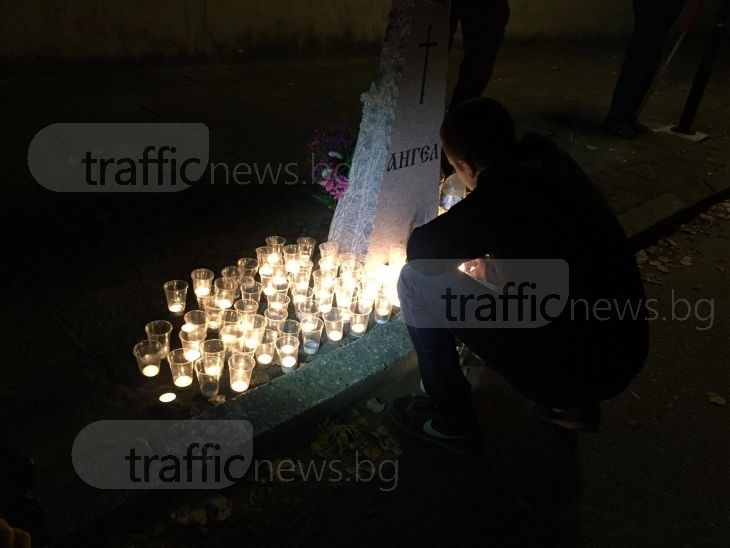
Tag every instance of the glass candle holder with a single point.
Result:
(262, 257)
(231, 316)
(232, 271)
(252, 292)
(299, 281)
(232, 337)
(213, 312)
(307, 308)
(209, 383)
(225, 291)
(290, 327)
(275, 317)
(323, 280)
(276, 243)
(299, 295)
(266, 351)
(334, 323)
(254, 326)
(287, 348)
(306, 266)
(181, 368)
(278, 301)
(195, 320)
(191, 343)
(359, 318)
(382, 308)
(159, 330)
(149, 354)
(324, 299)
(306, 246)
(202, 281)
(344, 291)
(214, 354)
(246, 306)
(240, 368)
(176, 292)
(248, 266)
(291, 258)
(311, 334)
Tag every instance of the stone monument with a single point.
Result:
(395, 170)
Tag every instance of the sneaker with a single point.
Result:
(585, 419)
(418, 416)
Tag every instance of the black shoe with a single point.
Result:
(586, 419)
(418, 416)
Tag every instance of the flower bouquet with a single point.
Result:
(332, 152)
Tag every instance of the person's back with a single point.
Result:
(529, 202)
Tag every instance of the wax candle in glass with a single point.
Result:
(181, 368)
(275, 317)
(290, 327)
(287, 348)
(232, 336)
(176, 292)
(191, 342)
(310, 307)
(195, 320)
(252, 292)
(246, 306)
(359, 317)
(254, 326)
(248, 265)
(305, 267)
(231, 316)
(240, 368)
(344, 291)
(149, 354)
(225, 291)
(232, 271)
(213, 312)
(159, 330)
(202, 281)
(382, 307)
(291, 258)
(262, 256)
(278, 301)
(276, 243)
(334, 323)
(306, 246)
(266, 351)
(311, 334)
(324, 299)
(214, 354)
(209, 383)
(299, 295)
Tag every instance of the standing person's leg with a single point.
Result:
(483, 26)
(653, 19)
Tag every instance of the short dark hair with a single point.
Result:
(480, 131)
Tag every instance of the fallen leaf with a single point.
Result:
(374, 405)
(715, 398)
(662, 268)
(672, 242)
(686, 261)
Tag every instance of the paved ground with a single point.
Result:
(86, 270)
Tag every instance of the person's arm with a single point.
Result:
(459, 235)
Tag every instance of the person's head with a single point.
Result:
(475, 135)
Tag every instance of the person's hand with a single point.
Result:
(12, 537)
(476, 269)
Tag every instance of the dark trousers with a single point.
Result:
(653, 19)
(561, 364)
(483, 25)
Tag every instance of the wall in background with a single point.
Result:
(180, 28)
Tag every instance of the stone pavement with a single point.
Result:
(86, 270)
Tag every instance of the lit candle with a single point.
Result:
(213, 369)
(223, 302)
(202, 291)
(334, 335)
(264, 359)
(292, 266)
(309, 326)
(188, 327)
(251, 342)
(273, 258)
(358, 328)
(175, 308)
(183, 380)
(269, 291)
(382, 311)
(151, 370)
(266, 270)
(167, 397)
(192, 354)
(288, 361)
(239, 386)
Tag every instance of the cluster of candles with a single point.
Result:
(272, 308)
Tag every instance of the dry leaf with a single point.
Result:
(662, 268)
(375, 406)
(686, 261)
(715, 398)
